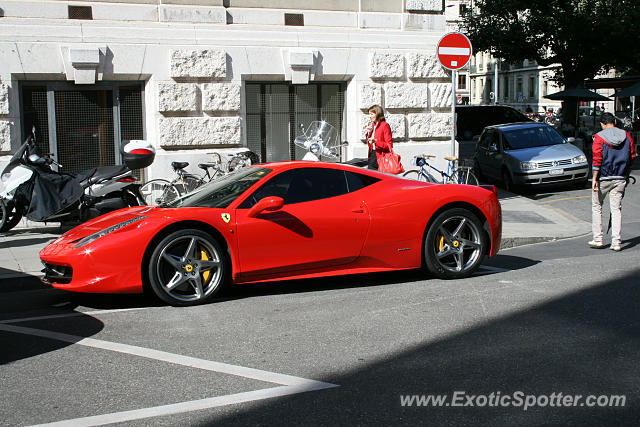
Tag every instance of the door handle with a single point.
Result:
(358, 210)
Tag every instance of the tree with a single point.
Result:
(583, 36)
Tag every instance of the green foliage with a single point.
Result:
(583, 36)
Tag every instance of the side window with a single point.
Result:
(485, 139)
(301, 185)
(356, 181)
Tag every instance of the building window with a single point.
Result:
(506, 87)
(532, 86)
(86, 126)
(464, 9)
(489, 89)
(275, 112)
(545, 88)
(462, 81)
(519, 93)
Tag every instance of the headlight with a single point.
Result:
(525, 166)
(91, 237)
(579, 159)
(5, 177)
(315, 148)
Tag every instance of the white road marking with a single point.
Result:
(71, 314)
(289, 384)
(178, 408)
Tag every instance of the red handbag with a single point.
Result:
(390, 163)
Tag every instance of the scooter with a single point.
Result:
(320, 140)
(29, 187)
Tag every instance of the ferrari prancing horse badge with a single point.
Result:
(226, 217)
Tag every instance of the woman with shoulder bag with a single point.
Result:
(381, 156)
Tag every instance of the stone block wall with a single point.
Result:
(200, 106)
(415, 93)
(5, 124)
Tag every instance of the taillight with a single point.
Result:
(127, 179)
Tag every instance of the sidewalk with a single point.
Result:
(524, 222)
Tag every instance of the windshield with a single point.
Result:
(529, 137)
(222, 191)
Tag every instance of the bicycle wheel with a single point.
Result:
(187, 183)
(158, 192)
(463, 175)
(419, 175)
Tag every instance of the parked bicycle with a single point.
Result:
(159, 191)
(455, 173)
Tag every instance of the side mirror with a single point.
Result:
(269, 203)
(476, 138)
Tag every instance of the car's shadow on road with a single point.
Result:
(499, 263)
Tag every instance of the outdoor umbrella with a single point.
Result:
(629, 91)
(578, 94)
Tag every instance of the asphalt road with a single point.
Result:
(541, 319)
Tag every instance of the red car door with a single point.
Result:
(302, 235)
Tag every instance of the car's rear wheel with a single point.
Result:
(187, 267)
(455, 244)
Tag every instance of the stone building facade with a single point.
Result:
(192, 62)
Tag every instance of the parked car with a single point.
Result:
(472, 119)
(281, 220)
(529, 154)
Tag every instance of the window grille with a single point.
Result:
(276, 111)
(81, 131)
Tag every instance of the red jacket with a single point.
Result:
(383, 137)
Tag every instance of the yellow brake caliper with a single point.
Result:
(204, 256)
(440, 241)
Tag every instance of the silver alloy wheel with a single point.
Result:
(458, 244)
(189, 268)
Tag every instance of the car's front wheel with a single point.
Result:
(187, 267)
(455, 244)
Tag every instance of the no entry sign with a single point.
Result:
(454, 51)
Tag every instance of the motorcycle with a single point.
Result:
(320, 139)
(30, 188)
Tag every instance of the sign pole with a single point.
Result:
(453, 113)
(454, 52)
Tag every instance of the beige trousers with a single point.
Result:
(615, 189)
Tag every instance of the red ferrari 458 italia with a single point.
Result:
(275, 221)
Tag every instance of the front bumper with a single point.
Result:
(575, 173)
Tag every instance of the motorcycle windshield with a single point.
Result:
(15, 159)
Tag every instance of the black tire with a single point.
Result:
(188, 267)
(415, 174)
(158, 192)
(477, 171)
(187, 184)
(464, 175)
(11, 216)
(455, 244)
(3, 214)
(507, 182)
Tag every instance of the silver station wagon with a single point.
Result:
(529, 154)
